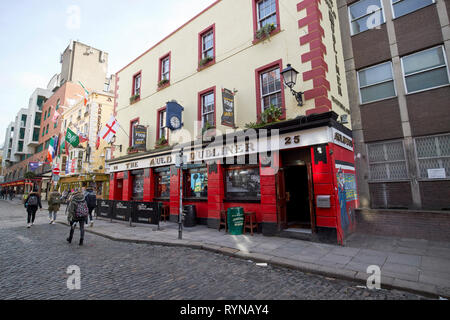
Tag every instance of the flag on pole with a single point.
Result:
(55, 147)
(86, 93)
(72, 138)
(110, 129)
(51, 150)
(97, 143)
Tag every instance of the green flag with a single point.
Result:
(72, 138)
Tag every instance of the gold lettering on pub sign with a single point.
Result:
(342, 139)
(132, 165)
(160, 161)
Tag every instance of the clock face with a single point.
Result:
(175, 122)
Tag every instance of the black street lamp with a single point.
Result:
(290, 78)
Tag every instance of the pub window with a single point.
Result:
(376, 83)
(243, 183)
(402, 7)
(387, 161)
(138, 185)
(267, 13)
(137, 85)
(207, 44)
(365, 15)
(270, 89)
(162, 129)
(196, 182)
(208, 109)
(425, 70)
(162, 179)
(433, 156)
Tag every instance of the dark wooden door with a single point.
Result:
(311, 197)
(281, 200)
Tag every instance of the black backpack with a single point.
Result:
(32, 200)
(91, 200)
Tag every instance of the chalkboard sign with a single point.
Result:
(140, 137)
(122, 210)
(146, 212)
(104, 208)
(228, 108)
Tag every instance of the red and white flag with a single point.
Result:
(56, 117)
(110, 129)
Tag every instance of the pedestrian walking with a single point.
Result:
(31, 204)
(54, 202)
(91, 200)
(77, 213)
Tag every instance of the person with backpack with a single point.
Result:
(77, 213)
(31, 204)
(54, 202)
(91, 200)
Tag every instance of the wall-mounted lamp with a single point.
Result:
(344, 119)
(290, 79)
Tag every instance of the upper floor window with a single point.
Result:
(402, 7)
(208, 45)
(163, 131)
(267, 13)
(208, 109)
(133, 123)
(365, 15)
(376, 83)
(137, 84)
(425, 70)
(387, 161)
(270, 89)
(58, 104)
(433, 156)
(164, 68)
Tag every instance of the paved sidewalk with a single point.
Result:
(418, 266)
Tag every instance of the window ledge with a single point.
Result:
(206, 65)
(428, 89)
(163, 86)
(273, 33)
(135, 101)
(379, 100)
(374, 29)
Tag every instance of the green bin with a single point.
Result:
(235, 217)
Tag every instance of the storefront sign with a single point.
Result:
(104, 208)
(228, 108)
(436, 173)
(146, 212)
(122, 211)
(342, 140)
(140, 137)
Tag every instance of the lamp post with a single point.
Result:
(290, 78)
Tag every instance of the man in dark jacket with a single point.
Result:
(77, 201)
(91, 200)
(32, 203)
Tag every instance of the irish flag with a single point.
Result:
(51, 150)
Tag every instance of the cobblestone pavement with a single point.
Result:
(34, 262)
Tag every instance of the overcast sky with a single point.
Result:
(33, 34)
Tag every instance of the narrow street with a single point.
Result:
(34, 263)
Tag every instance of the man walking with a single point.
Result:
(91, 200)
(32, 203)
(54, 202)
(77, 213)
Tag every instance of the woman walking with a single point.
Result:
(54, 202)
(32, 203)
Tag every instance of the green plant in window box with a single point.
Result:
(162, 83)
(270, 115)
(162, 142)
(265, 31)
(207, 127)
(131, 150)
(134, 98)
(205, 61)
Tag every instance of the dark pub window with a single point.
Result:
(243, 183)
(162, 178)
(138, 185)
(196, 183)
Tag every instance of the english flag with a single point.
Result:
(110, 129)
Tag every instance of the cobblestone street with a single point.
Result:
(34, 262)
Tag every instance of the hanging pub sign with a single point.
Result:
(174, 115)
(228, 108)
(140, 137)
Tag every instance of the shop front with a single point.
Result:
(298, 177)
(99, 182)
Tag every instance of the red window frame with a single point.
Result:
(200, 45)
(258, 72)
(132, 123)
(164, 57)
(158, 120)
(200, 100)
(255, 19)
(133, 92)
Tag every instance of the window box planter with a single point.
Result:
(161, 143)
(265, 33)
(135, 98)
(206, 62)
(132, 150)
(163, 84)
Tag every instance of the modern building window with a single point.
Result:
(387, 161)
(24, 120)
(376, 83)
(208, 109)
(425, 70)
(137, 84)
(20, 146)
(243, 183)
(270, 89)
(22, 133)
(36, 134)
(365, 15)
(162, 179)
(196, 183)
(37, 119)
(162, 129)
(433, 156)
(402, 7)
(267, 13)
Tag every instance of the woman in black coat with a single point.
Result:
(32, 203)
